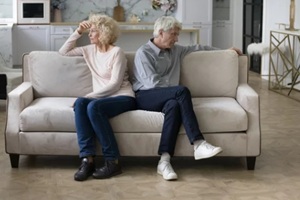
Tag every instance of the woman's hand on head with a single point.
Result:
(83, 26)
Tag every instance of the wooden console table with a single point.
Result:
(284, 63)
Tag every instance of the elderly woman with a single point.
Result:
(112, 94)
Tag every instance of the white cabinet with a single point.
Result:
(59, 34)
(196, 14)
(222, 34)
(223, 10)
(222, 31)
(28, 38)
(57, 41)
(205, 33)
(194, 11)
(8, 11)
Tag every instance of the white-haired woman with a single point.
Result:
(112, 94)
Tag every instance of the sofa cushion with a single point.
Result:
(56, 114)
(221, 114)
(215, 76)
(48, 114)
(54, 75)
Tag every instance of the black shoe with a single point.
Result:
(86, 169)
(111, 168)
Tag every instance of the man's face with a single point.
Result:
(169, 38)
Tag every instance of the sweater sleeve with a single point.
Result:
(69, 49)
(117, 77)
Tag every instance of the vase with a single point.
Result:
(292, 15)
(57, 16)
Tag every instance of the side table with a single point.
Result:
(284, 63)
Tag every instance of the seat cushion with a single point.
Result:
(220, 114)
(56, 114)
(48, 114)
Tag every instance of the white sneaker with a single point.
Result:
(206, 150)
(165, 169)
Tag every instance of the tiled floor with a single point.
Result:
(277, 173)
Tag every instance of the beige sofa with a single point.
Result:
(40, 119)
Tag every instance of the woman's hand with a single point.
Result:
(83, 26)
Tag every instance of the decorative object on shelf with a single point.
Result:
(134, 18)
(57, 15)
(57, 7)
(164, 5)
(292, 16)
(119, 13)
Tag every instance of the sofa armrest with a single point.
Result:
(17, 100)
(249, 100)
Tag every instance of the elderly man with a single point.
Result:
(156, 84)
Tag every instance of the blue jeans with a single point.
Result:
(176, 103)
(92, 122)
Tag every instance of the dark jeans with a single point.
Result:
(176, 103)
(92, 122)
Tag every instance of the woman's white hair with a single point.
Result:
(165, 23)
(107, 26)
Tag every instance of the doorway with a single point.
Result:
(252, 30)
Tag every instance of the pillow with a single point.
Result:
(54, 75)
(211, 73)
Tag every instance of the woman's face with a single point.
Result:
(94, 34)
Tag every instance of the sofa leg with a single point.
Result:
(251, 163)
(14, 160)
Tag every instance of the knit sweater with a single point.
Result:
(109, 69)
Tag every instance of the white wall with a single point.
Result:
(237, 21)
(275, 12)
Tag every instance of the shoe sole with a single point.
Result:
(111, 175)
(89, 175)
(208, 156)
(168, 179)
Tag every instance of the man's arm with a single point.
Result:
(198, 47)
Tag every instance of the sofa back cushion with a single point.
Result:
(211, 73)
(205, 73)
(54, 75)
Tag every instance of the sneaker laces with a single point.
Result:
(207, 145)
(168, 167)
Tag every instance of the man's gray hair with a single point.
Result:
(165, 23)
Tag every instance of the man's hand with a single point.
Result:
(83, 26)
(238, 51)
